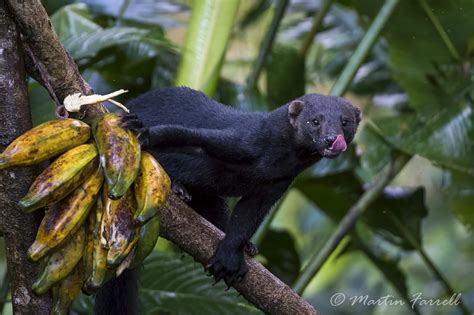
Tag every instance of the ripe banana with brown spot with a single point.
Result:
(66, 291)
(64, 218)
(99, 269)
(119, 151)
(151, 188)
(61, 262)
(148, 237)
(122, 228)
(44, 142)
(64, 175)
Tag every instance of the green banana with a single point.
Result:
(119, 151)
(99, 270)
(64, 218)
(151, 188)
(44, 142)
(61, 262)
(121, 228)
(66, 291)
(64, 175)
(148, 236)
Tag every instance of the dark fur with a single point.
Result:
(216, 151)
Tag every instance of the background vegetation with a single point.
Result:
(407, 64)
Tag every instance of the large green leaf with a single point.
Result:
(282, 259)
(445, 138)
(176, 284)
(73, 20)
(415, 46)
(459, 192)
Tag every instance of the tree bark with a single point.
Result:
(19, 229)
(180, 224)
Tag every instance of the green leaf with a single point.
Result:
(282, 259)
(206, 39)
(375, 152)
(415, 46)
(73, 20)
(459, 193)
(87, 45)
(443, 138)
(241, 96)
(176, 284)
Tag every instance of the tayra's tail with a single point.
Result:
(119, 296)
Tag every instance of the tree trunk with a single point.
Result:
(19, 229)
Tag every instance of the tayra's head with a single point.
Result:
(323, 125)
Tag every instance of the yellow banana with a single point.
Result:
(66, 217)
(61, 262)
(119, 152)
(44, 142)
(148, 236)
(99, 270)
(121, 228)
(64, 175)
(151, 188)
(66, 291)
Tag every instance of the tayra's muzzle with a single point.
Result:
(339, 145)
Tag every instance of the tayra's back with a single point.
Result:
(187, 107)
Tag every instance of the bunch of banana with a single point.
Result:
(102, 198)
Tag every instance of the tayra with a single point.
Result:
(215, 151)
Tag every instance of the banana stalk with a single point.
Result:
(44, 142)
(151, 188)
(64, 175)
(119, 152)
(61, 262)
(63, 219)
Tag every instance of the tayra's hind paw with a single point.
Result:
(181, 192)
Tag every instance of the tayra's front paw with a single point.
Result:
(132, 122)
(251, 249)
(228, 265)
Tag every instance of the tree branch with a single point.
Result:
(179, 224)
(19, 229)
(39, 36)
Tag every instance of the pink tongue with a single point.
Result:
(339, 145)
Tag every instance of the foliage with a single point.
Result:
(417, 97)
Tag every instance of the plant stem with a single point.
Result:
(317, 22)
(365, 46)
(123, 9)
(267, 43)
(439, 28)
(348, 222)
(414, 242)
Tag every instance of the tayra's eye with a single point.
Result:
(316, 122)
(344, 122)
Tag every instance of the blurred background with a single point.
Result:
(407, 64)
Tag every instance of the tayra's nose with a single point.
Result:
(330, 140)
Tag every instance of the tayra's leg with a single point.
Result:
(228, 261)
(213, 208)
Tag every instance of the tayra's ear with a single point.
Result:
(294, 109)
(358, 115)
